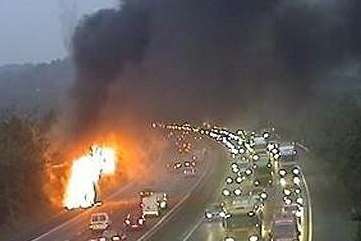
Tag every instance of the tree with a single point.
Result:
(22, 157)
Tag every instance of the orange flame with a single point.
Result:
(81, 191)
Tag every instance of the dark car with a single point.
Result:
(110, 235)
(134, 221)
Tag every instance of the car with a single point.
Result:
(134, 221)
(190, 172)
(214, 213)
(154, 204)
(187, 163)
(110, 235)
(99, 222)
(177, 165)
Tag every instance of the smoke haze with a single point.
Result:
(208, 59)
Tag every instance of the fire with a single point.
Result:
(82, 188)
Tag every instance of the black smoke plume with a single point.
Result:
(209, 59)
(103, 44)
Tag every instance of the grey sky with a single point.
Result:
(32, 30)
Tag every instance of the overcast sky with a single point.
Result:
(33, 30)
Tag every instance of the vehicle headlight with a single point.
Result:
(222, 214)
(226, 192)
(209, 215)
(163, 204)
(251, 213)
(234, 165)
(116, 238)
(296, 171)
(256, 183)
(102, 239)
(229, 239)
(299, 200)
(264, 195)
(282, 172)
(287, 192)
(287, 201)
(229, 180)
(253, 238)
(237, 192)
(248, 172)
(297, 181)
(283, 182)
(239, 180)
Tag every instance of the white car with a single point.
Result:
(99, 222)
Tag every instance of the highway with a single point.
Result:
(201, 229)
(189, 197)
(178, 187)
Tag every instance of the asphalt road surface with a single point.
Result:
(185, 196)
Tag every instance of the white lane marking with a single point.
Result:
(72, 220)
(309, 203)
(172, 211)
(194, 228)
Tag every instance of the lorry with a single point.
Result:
(153, 204)
(242, 221)
(263, 172)
(284, 228)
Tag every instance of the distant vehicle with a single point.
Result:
(284, 228)
(294, 209)
(263, 172)
(190, 172)
(214, 213)
(187, 163)
(99, 222)
(177, 165)
(152, 205)
(111, 235)
(146, 193)
(260, 144)
(242, 221)
(287, 152)
(134, 221)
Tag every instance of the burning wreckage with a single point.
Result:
(82, 190)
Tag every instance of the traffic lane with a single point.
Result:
(70, 227)
(67, 228)
(188, 214)
(77, 225)
(118, 210)
(206, 231)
